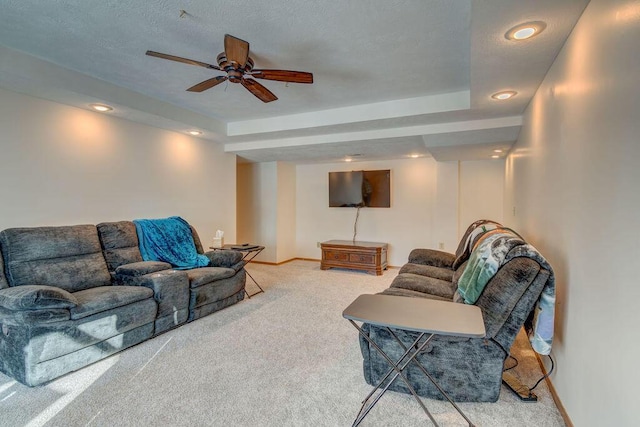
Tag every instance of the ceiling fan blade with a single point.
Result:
(237, 50)
(283, 76)
(261, 92)
(207, 84)
(180, 59)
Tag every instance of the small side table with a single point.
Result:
(425, 316)
(248, 254)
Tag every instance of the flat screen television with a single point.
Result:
(360, 188)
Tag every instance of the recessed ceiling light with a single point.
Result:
(101, 107)
(497, 151)
(348, 159)
(415, 156)
(195, 132)
(525, 31)
(495, 156)
(504, 95)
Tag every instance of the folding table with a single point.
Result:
(425, 316)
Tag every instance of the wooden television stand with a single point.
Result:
(367, 256)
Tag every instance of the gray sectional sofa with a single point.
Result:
(73, 295)
(468, 369)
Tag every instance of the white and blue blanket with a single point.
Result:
(491, 252)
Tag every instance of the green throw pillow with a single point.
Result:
(36, 297)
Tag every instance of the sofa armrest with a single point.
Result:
(170, 289)
(36, 297)
(31, 317)
(224, 258)
(141, 268)
(432, 257)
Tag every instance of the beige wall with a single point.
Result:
(257, 207)
(573, 178)
(481, 192)
(286, 221)
(404, 226)
(266, 209)
(61, 165)
(425, 198)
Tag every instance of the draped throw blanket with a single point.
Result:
(494, 249)
(169, 240)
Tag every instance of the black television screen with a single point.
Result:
(360, 188)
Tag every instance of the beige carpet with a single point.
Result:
(285, 357)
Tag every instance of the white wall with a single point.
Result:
(257, 207)
(573, 178)
(266, 209)
(286, 222)
(61, 165)
(427, 200)
(404, 226)
(446, 229)
(481, 192)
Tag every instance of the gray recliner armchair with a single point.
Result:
(468, 369)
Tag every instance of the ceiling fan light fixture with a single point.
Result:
(103, 108)
(525, 31)
(506, 94)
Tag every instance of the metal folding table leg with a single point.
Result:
(398, 370)
(256, 283)
(424, 371)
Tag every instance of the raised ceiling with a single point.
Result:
(391, 77)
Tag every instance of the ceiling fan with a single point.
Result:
(238, 65)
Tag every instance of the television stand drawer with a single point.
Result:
(367, 256)
(362, 258)
(335, 255)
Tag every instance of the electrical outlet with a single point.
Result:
(317, 244)
(441, 245)
(514, 211)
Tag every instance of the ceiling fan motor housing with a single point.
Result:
(233, 69)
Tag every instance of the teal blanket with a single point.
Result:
(169, 240)
(492, 251)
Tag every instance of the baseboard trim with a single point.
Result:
(301, 259)
(281, 262)
(554, 395)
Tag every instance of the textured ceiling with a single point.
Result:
(396, 67)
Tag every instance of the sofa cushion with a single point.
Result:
(428, 270)
(35, 297)
(204, 275)
(431, 257)
(67, 257)
(427, 285)
(141, 268)
(119, 243)
(96, 300)
(400, 292)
